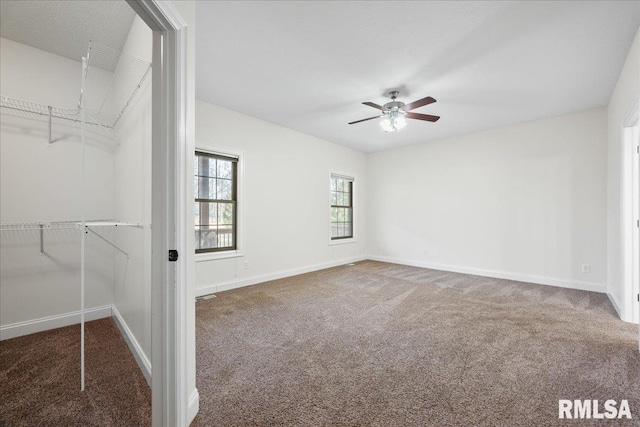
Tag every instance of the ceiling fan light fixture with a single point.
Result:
(393, 121)
(386, 124)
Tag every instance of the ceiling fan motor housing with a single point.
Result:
(394, 105)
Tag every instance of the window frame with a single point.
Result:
(351, 178)
(235, 160)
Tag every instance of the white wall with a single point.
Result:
(526, 201)
(284, 206)
(132, 201)
(41, 182)
(624, 95)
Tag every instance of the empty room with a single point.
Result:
(320, 213)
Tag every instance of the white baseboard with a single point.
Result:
(67, 319)
(52, 322)
(134, 345)
(248, 281)
(540, 280)
(194, 406)
(624, 315)
(616, 304)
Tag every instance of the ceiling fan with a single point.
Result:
(395, 112)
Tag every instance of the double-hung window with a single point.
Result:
(216, 210)
(341, 207)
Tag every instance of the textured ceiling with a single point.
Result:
(66, 27)
(309, 65)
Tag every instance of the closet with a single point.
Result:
(75, 203)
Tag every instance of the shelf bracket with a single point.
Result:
(108, 242)
(41, 239)
(50, 137)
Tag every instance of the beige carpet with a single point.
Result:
(387, 345)
(40, 380)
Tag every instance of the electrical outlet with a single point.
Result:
(586, 268)
(246, 265)
(426, 252)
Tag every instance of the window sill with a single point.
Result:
(342, 241)
(212, 256)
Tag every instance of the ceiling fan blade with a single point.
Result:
(379, 107)
(419, 103)
(364, 120)
(418, 116)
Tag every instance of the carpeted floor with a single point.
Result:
(379, 344)
(40, 380)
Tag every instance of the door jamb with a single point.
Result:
(169, 323)
(629, 214)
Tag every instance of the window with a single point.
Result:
(216, 210)
(341, 207)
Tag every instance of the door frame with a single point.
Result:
(630, 215)
(169, 285)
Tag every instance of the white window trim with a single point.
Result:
(212, 256)
(356, 210)
(239, 251)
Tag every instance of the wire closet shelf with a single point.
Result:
(64, 225)
(111, 81)
(87, 226)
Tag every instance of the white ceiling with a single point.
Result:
(66, 27)
(309, 65)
